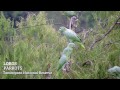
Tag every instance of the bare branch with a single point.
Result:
(118, 23)
(111, 28)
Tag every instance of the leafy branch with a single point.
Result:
(111, 28)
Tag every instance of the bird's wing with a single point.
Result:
(71, 35)
(62, 61)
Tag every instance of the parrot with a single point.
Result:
(115, 71)
(65, 56)
(62, 61)
(68, 50)
(71, 36)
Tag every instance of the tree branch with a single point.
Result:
(111, 43)
(111, 28)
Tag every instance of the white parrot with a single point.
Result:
(71, 35)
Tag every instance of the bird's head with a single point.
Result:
(62, 29)
(71, 45)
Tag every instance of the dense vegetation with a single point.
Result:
(35, 44)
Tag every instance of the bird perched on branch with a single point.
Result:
(65, 55)
(71, 36)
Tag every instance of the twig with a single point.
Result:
(111, 28)
(118, 23)
(111, 43)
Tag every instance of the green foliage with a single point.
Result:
(104, 19)
(34, 47)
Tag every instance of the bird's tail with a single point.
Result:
(58, 74)
(59, 67)
(81, 45)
